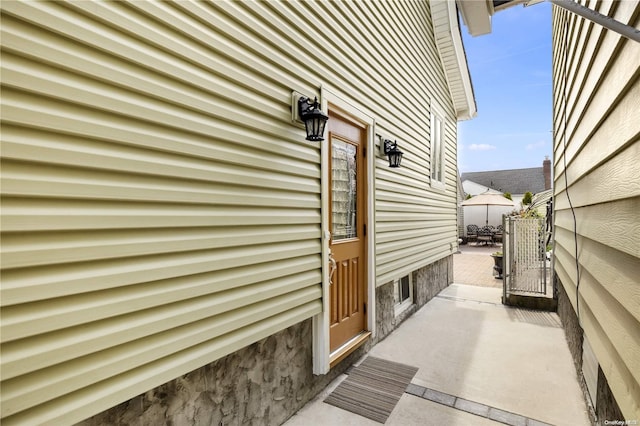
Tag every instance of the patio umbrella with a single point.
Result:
(488, 199)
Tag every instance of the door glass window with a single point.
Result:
(343, 190)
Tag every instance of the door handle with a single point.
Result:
(334, 266)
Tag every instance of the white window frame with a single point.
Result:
(438, 146)
(402, 306)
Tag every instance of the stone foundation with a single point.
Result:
(536, 303)
(572, 329)
(607, 409)
(267, 382)
(427, 282)
(261, 384)
(431, 280)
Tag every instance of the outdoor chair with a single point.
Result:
(472, 233)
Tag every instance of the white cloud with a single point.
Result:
(536, 145)
(481, 147)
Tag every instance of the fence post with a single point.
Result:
(505, 258)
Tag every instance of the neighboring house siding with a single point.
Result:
(602, 89)
(161, 211)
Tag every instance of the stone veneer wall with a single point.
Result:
(572, 329)
(261, 384)
(267, 382)
(427, 283)
(607, 409)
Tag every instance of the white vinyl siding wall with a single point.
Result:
(160, 210)
(602, 152)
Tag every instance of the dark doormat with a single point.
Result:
(373, 388)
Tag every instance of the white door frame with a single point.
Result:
(321, 351)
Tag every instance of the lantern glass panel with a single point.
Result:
(395, 158)
(314, 121)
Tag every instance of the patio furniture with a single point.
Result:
(485, 236)
(472, 233)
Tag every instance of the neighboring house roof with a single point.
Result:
(473, 188)
(449, 41)
(516, 181)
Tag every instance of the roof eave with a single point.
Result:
(453, 57)
(476, 16)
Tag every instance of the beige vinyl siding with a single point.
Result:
(151, 222)
(603, 147)
(416, 224)
(159, 208)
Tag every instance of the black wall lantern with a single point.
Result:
(393, 152)
(314, 119)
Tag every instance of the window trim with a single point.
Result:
(402, 306)
(438, 164)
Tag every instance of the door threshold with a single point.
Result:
(341, 353)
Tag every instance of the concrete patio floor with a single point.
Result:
(511, 366)
(474, 265)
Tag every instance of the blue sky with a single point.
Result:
(511, 74)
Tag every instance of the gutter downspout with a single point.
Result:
(606, 21)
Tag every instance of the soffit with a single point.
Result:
(451, 50)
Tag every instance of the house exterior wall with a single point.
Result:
(160, 209)
(596, 93)
(267, 381)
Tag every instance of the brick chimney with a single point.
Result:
(546, 169)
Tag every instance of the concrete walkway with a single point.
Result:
(479, 363)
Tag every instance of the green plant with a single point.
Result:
(497, 254)
(508, 195)
(468, 196)
(530, 214)
(528, 197)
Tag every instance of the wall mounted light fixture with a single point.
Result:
(391, 150)
(314, 119)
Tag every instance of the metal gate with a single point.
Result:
(527, 269)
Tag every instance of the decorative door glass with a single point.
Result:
(343, 191)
